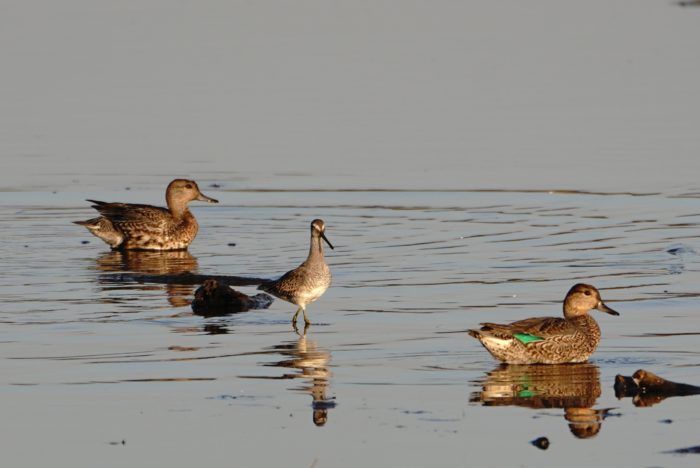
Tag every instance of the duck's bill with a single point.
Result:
(603, 308)
(203, 197)
(327, 241)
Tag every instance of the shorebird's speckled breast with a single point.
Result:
(315, 285)
(302, 285)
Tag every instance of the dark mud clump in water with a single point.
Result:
(647, 388)
(541, 443)
(215, 299)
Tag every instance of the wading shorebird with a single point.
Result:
(307, 282)
(144, 227)
(548, 340)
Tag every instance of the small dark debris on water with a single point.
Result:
(231, 244)
(666, 421)
(686, 450)
(541, 443)
(127, 188)
(123, 442)
(85, 242)
(215, 185)
(680, 250)
(223, 397)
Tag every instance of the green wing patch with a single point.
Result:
(526, 338)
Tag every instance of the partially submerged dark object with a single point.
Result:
(541, 443)
(185, 278)
(647, 388)
(214, 299)
(686, 450)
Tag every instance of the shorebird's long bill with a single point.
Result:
(327, 241)
(203, 197)
(603, 308)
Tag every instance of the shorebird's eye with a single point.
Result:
(188, 186)
(587, 293)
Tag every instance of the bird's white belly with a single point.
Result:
(311, 295)
(498, 344)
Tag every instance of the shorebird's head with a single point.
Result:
(583, 297)
(318, 229)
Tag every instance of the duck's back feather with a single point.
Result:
(542, 327)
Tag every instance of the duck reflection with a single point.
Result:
(573, 387)
(150, 263)
(309, 363)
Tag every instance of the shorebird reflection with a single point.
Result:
(573, 387)
(308, 362)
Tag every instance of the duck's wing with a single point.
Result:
(537, 328)
(129, 216)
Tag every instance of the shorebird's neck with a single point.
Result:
(316, 248)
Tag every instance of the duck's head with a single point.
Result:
(318, 229)
(183, 191)
(583, 297)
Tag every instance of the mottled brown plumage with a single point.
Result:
(133, 226)
(548, 340)
(307, 282)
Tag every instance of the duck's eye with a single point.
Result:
(188, 186)
(587, 293)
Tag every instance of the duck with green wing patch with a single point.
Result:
(549, 340)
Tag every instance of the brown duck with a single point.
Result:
(548, 340)
(144, 227)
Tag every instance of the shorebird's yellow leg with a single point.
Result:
(301, 335)
(294, 319)
(306, 319)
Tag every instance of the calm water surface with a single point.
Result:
(261, 102)
(96, 366)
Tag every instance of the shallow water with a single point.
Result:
(514, 149)
(97, 366)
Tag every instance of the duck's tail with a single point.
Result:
(102, 227)
(91, 224)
